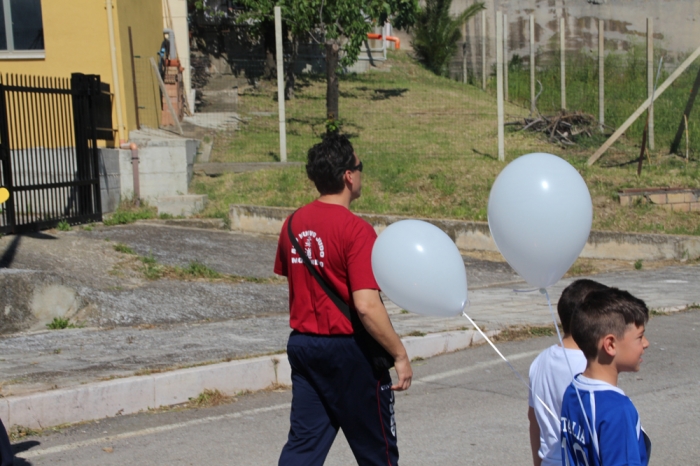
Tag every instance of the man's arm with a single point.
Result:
(374, 317)
(534, 436)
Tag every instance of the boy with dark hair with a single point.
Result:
(550, 375)
(609, 329)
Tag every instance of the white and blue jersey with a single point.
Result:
(618, 438)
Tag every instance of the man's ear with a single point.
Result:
(609, 345)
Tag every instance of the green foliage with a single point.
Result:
(123, 248)
(128, 212)
(333, 21)
(199, 270)
(437, 33)
(59, 323)
(638, 264)
(151, 269)
(63, 226)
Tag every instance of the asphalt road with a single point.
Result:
(463, 408)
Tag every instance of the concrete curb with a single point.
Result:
(477, 236)
(133, 394)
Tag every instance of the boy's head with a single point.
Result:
(328, 161)
(572, 297)
(605, 313)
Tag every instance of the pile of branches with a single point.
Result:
(564, 128)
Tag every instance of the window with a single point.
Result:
(21, 29)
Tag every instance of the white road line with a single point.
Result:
(251, 412)
(475, 367)
(149, 431)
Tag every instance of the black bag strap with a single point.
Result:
(342, 305)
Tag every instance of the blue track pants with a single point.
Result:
(333, 387)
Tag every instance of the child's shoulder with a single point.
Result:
(609, 399)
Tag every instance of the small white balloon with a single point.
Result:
(540, 214)
(420, 269)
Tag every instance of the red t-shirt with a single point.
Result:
(339, 245)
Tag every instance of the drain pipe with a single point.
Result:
(135, 169)
(115, 71)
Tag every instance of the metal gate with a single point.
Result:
(48, 150)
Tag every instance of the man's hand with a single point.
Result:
(404, 372)
(374, 317)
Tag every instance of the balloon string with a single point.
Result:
(571, 371)
(526, 291)
(508, 362)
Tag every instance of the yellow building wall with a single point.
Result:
(145, 17)
(76, 40)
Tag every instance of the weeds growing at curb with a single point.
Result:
(18, 432)
(60, 323)
(416, 333)
(524, 333)
(210, 398)
(63, 226)
(638, 264)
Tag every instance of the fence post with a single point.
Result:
(533, 104)
(483, 49)
(499, 84)
(280, 83)
(562, 58)
(650, 79)
(6, 161)
(464, 54)
(505, 57)
(601, 74)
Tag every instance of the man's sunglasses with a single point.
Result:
(357, 167)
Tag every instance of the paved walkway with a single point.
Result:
(143, 325)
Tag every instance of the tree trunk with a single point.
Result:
(270, 68)
(332, 89)
(290, 78)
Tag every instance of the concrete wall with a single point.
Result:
(477, 235)
(165, 170)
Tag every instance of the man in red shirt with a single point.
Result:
(333, 383)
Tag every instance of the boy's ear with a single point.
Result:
(609, 345)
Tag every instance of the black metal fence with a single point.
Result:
(49, 129)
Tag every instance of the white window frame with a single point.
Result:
(11, 53)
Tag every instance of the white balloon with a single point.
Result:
(540, 215)
(420, 269)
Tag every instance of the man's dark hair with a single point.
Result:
(327, 162)
(605, 312)
(572, 297)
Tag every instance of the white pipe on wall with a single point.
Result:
(115, 71)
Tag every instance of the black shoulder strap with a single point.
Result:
(342, 305)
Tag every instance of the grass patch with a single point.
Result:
(198, 270)
(429, 148)
(60, 323)
(638, 264)
(151, 268)
(123, 248)
(416, 333)
(128, 212)
(63, 226)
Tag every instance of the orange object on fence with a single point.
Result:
(394, 39)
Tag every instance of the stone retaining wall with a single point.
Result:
(678, 199)
(477, 236)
